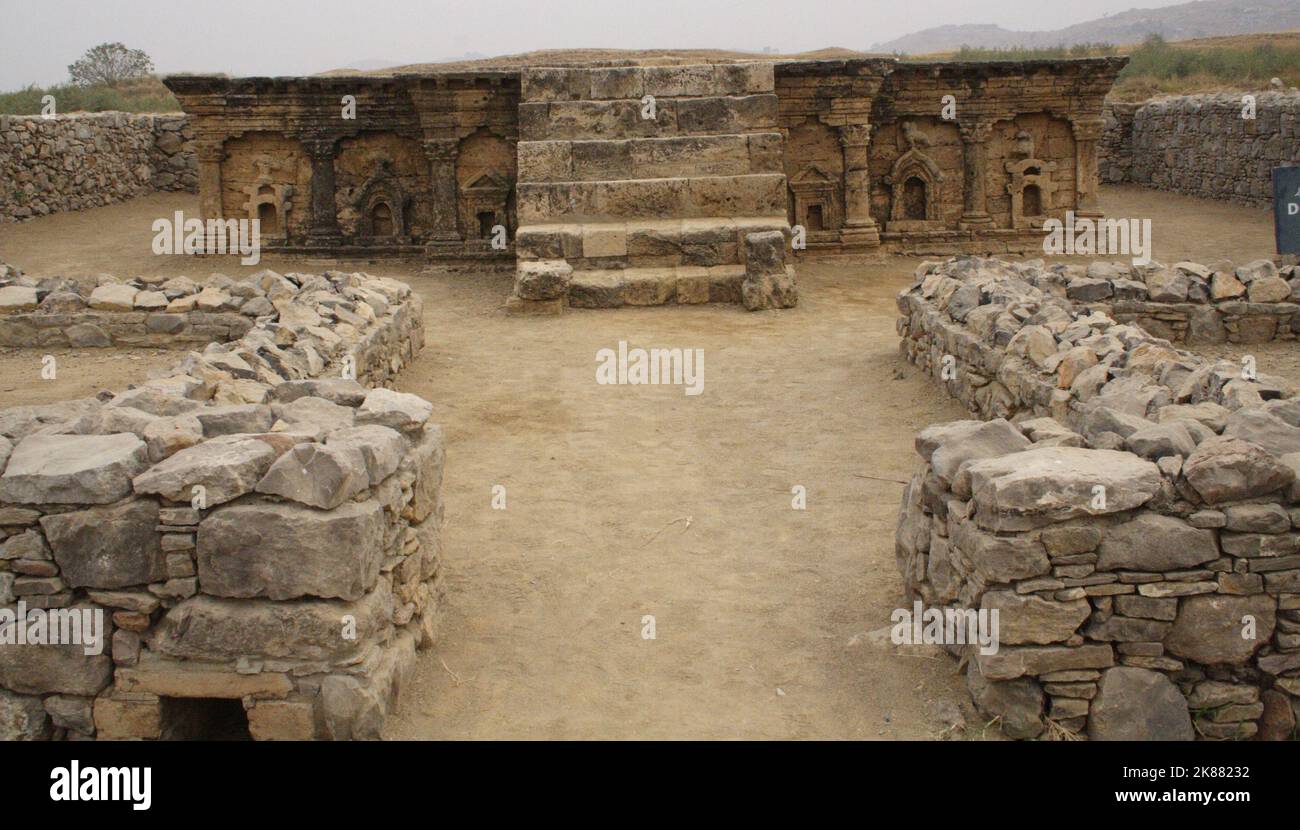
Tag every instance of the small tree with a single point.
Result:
(110, 64)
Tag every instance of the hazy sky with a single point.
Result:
(40, 38)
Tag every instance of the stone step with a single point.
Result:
(685, 285)
(551, 83)
(755, 194)
(644, 243)
(650, 158)
(623, 118)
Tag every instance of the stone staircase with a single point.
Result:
(618, 208)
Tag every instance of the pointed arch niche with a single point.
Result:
(916, 193)
(382, 207)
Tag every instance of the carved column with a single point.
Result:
(1087, 134)
(324, 223)
(441, 153)
(859, 228)
(974, 145)
(210, 153)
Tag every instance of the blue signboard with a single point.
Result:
(1286, 208)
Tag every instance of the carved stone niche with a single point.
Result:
(269, 202)
(1031, 188)
(484, 205)
(916, 185)
(816, 197)
(382, 208)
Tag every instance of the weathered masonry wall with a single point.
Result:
(1167, 606)
(429, 162)
(73, 162)
(1200, 145)
(1189, 302)
(257, 531)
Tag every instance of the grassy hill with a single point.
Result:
(143, 95)
(1221, 64)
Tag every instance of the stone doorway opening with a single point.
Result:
(204, 719)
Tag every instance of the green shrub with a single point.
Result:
(143, 95)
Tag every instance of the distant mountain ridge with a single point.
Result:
(1204, 18)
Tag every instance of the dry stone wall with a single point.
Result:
(254, 528)
(1191, 302)
(73, 162)
(1200, 145)
(1130, 510)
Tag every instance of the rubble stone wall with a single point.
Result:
(1115, 162)
(1200, 145)
(1131, 511)
(254, 528)
(73, 162)
(1193, 303)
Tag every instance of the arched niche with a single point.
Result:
(485, 176)
(916, 192)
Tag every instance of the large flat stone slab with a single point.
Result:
(1135, 704)
(209, 628)
(116, 546)
(1037, 487)
(72, 469)
(225, 469)
(286, 551)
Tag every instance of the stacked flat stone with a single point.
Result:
(1115, 151)
(83, 160)
(1201, 145)
(618, 209)
(1170, 608)
(255, 524)
(1190, 302)
(100, 311)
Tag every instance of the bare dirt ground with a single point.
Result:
(627, 501)
(78, 373)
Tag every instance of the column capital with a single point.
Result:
(854, 135)
(319, 145)
(975, 132)
(1088, 129)
(210, 149)
(440, 149)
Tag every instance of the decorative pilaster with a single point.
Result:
(974, 145)
(441, 153)
(1087, 135)
(324, 225)
(210, 153)
(859, 228)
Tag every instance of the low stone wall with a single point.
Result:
(73, 162)
(1189, 302)
(1135, 525)
(1200, 145)
(255, 529)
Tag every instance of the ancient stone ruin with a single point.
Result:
(257, 528)
(1131, 510)
(645, 185)
(254, 533)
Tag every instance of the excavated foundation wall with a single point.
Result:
(246, 545)
(1201, 145)
(1130, 510)
(73, 162)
